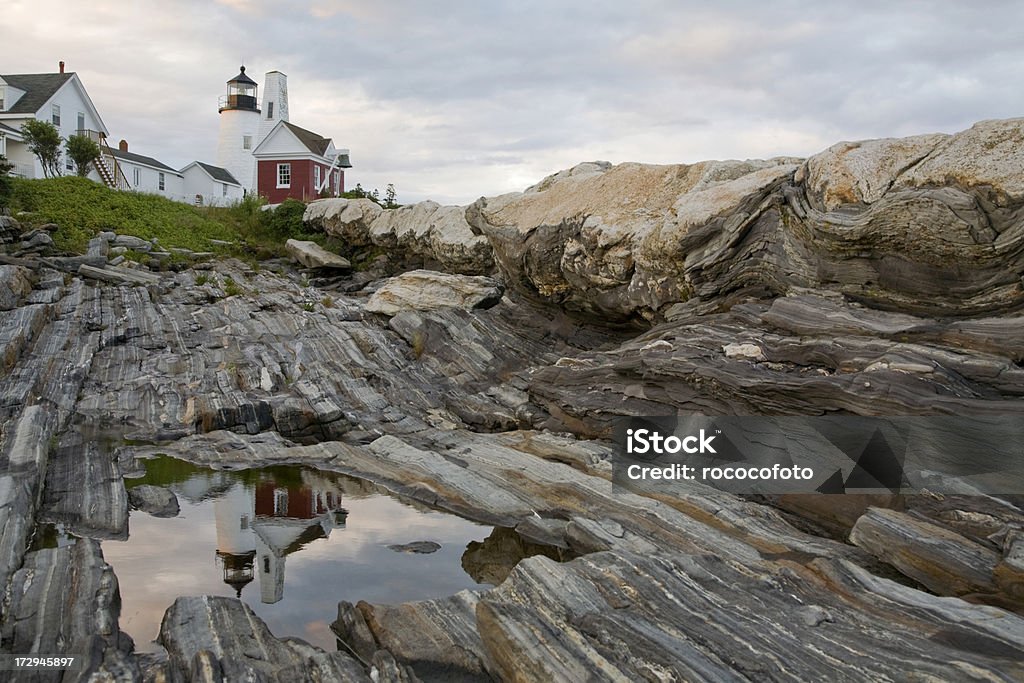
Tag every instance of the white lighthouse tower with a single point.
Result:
(239, 126)
(275, 102)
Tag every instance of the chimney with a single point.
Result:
(123, 145)
(62, 66)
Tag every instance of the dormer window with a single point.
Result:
(55, 115)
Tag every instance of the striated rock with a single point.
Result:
(424, 290)
(221, 639)
(312, 255)
(65, 601)
(155, 500)
(118, 276)
(941, 560)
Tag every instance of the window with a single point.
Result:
(223, 189)
(55, 114)
(68, 163)
(81, 121)
(137, 176)
(316, 178)
(161, 182)
(284, 175)
(246, 142)
(270, 110)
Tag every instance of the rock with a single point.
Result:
(346, 219)
(133, 243)
(15, 285)
(425, 290)
(224, 637)
(417, 547)
(426, 234)
(155, 500)
(940, 559)
(119, 276)
(862, 172)
(66, 602)
(312, 255)
(36, 241)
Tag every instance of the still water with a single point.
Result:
(290, 541)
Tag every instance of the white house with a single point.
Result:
(209, 185)
(56, 97)
(146, 174)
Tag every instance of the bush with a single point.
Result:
(285, 221)
(5, 181)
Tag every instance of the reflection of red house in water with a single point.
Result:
(297, 502)
(258, 527)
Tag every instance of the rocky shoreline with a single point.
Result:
(477, 368)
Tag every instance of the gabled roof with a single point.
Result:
(144, 161)
(314, 142)
(38, 89)
(216, 172)
(7, 130)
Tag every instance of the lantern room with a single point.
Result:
(241, 94)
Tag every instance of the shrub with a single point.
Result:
(5, 181)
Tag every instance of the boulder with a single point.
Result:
(312, 255)
(425, 290)
(132, 242)
(346, 219)
(425, 233)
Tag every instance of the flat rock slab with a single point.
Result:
(312, 255)
(425, 290)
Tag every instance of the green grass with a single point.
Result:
(82, 208)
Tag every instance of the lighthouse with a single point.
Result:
(239, 125)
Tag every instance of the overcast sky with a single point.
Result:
(453, 99)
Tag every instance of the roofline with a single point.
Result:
(284, 156)
(162, 169)
(216, 180)
(85, 97)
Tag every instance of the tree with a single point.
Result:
(43, 140)
(83, 151)
(389, 197)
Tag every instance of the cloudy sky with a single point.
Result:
(454, 99)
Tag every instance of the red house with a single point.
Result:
(297, 163)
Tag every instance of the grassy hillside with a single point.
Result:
(81, 208)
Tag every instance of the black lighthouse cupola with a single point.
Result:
(241, 94)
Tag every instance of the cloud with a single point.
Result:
(456, 99)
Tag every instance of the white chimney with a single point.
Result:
(275, 102)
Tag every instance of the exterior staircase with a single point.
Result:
(106, 163)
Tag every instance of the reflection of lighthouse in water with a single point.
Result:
(259, 526)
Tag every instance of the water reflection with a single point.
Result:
(237, 531)
(261, 525)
